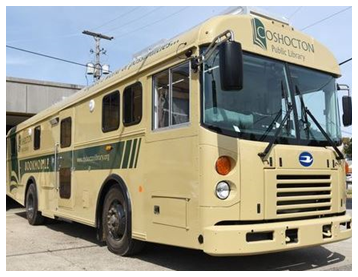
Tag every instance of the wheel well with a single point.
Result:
(112, 180)
(30, 181)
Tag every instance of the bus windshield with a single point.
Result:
(270, 87)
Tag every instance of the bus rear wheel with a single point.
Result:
(116, 220)
(33, 215)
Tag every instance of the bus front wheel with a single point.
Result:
(116, 220)
(33, 215)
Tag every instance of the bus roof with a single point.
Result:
(257, 34)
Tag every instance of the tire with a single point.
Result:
(33, 215)
(117, 224)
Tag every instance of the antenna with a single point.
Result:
(96, 69)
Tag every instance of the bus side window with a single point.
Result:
(110, 112)
(13, 146)
(171, 97)
(37, 137)
(66, 125)
(132, 104)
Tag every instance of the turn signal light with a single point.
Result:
(223, 165)
(347, 168)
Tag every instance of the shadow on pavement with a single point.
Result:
(12, 204)
(176, 258)
(186, 259)
(71, 229)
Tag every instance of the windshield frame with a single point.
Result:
(280, 139)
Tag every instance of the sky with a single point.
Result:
(57, 31)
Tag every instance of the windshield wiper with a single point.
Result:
(305, 112)
(339, 153)
(279, 114)
(278, 131)
(304, 119)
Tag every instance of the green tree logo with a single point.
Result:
(259, 33)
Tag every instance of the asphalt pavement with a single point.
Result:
(60, 245)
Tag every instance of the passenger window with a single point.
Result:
(171, 97)
(110, 112)
(37, 137)
(66, 125)
(132, 104)
(13, 146)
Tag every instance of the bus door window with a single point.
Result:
(161, 100)
(65, 162)
(171, 97)
(180, 99)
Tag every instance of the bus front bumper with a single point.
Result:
(236, 240)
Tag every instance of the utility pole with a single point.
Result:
(97, 66)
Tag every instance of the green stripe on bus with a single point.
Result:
(39, 164)
(136, 160)
(122, 155)
(121, 150)
(127, 154)
(13, 179)
(134, 148)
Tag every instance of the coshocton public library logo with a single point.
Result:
(280, 44)
(259, 33)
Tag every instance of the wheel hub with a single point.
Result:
(30, 206)
(116, 221)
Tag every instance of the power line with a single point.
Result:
(326, 18)
(294, 13)
(345, 61)
(134, 20)
(152, 23)
(122, 15)
(45, 38)
(45, 56)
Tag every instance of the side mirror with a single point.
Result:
(347, 110)
(231, 66)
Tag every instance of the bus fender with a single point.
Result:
(31, 180)
(111, 180)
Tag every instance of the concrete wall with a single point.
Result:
(31, 96)
(25, 98)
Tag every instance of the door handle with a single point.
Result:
(56, 165)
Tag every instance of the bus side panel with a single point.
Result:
(13, 183)
(171, 191)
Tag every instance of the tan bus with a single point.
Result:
(223, 139)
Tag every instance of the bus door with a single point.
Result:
(64, 160)
(12, 165)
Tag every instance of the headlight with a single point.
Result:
(222, 190)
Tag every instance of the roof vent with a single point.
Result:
(254, 11)
(148, 49)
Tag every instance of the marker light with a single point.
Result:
(222, 190)
(347, 169)
(223, 165)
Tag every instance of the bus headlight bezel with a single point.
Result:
(222, 190)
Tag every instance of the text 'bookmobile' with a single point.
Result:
(223, 139)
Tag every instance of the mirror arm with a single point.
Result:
(343, 87)
(228, 35)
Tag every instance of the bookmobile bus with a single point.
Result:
(224, 139)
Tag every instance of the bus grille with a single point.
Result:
(303, 194)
